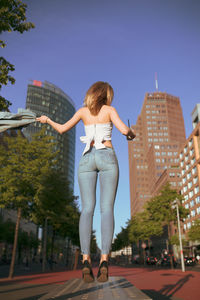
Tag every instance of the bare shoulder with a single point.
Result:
(81, 111)
(108, 108)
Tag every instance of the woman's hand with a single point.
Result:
(131, 135)
(43, 119)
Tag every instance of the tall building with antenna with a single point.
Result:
(160, 132)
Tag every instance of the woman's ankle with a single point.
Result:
(86, 257)
(104, 257)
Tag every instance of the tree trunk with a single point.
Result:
(170, 249)
(44, 246)
(11, 271)
(52, 243)
(76, 259)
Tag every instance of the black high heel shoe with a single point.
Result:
(102, 275)
(88, 275)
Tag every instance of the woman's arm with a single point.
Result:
(125, 130)
(61, 128)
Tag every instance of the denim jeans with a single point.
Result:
(104, 162)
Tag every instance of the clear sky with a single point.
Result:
(124, 42)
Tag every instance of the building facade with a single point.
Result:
(160, 132)
(44, 98)
(189, 156)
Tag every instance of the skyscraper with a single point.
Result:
(160, 132)
(45, 98)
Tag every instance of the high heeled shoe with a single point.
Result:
(102, 275)
(87, 272)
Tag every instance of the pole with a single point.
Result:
(180, 239)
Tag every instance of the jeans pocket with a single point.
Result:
(108, 156)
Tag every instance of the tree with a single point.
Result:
(194, 232)
(121, 240)
(160, 208)
(23, 164)
(13, 18)
(55, 205)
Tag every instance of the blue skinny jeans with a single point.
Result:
(104, 162)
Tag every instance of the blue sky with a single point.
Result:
(124, 42)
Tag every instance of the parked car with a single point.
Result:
(166, 261)
(151, 260)
(189, 261)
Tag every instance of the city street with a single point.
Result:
(124, 283)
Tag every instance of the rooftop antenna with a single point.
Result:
(156, 81)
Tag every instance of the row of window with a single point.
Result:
(157, 133)
(184, 179)
(155, 111)
(157, 128)
(156, 122)
(187, 167)
(157, 105)
(185, 150)
(191, 193)
(192, 202)
(158, 140)
(156, 117)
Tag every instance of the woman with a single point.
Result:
(98, 157)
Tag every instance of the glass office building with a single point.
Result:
(45, 98)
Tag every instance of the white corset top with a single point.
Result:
(98, 133)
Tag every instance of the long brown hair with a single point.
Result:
(99, 94)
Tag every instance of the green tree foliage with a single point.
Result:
(194, 232)
(160, 208)
(122, 239)
(12, 18)
(23, 165)
(143, 226)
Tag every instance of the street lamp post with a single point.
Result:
(175, 204)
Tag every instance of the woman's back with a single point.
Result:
(101, 118)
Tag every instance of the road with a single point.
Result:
(158, 284)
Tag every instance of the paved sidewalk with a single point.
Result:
(156, 284)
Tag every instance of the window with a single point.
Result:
(194, 170)
(191, 194)
(196, 189)
(189, 175)
(189, 185)
(157, 147)
(186, 197)
(188, 225)
(190, 142)
(185, 149)
(193, 213)
(191, 152)
(181, 155)
(171, 174)
(192, 203)
(182, 163)
(183, 172)
(193, 161)
(198, 210)
(187, 206)
(187, 167)
(186, 158)
(197, 200)
(185, 189)
(195, 179)
(184, 180)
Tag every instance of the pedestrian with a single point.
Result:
(98, 157)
